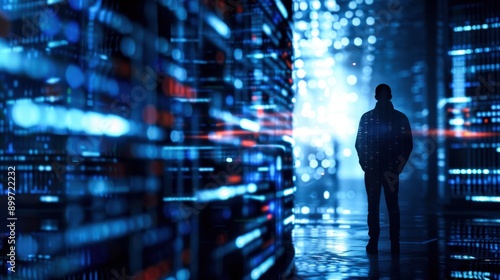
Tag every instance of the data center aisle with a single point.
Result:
(330, 240)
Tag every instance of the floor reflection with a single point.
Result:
(331, 233)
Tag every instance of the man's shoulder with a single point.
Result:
(400, 114)
(367, 114)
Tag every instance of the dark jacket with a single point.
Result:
(384, 140)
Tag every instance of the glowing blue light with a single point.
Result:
(372, 39)
(326, 194)
(25, 113)
(49, 198)
(289, 219)
(76, 4)
(457, 121)
(91, 122)
(219, 26)
(72, 31)
(53, 80)
(249, 125)
(183, 274)
(315, 5)
(479, 198)
(49, 23)
(238, 83)
(459, 99)
(358, 41)
(288, 191)
(55, 44)
(251, 188)
(282, 8)
(243, 240)
(60, 115)
(330, 4)
(262, 268)
(352, 80)
(74, 76)
(74, 119)
(266, 29)
(177, 136)
(127, 46)
(116, 126)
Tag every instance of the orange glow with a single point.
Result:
(173, 88)
(154, 272)
(166, 119)
(248, 143)
(455, 134)
(264, 208)
(234, 179)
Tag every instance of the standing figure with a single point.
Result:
(384, 144)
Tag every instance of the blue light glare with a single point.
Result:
(49, 198)
(73, 120)
(49, 23)
(72, 32)
(218, 25)
(117, 126)
(243, 240)
(249, 125)
(25, 113)
(74, 76)
(262, 268)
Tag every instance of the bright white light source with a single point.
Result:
(249, 125)
(352, 80)
(74, 120)
(372, 39)
(251, 188)
(326, 194)
(316, 5)
(26, 113)
(347, 152)
(358, 41)
(305, 210)
(305, 177)
(116, 126)
(301, 73)
(370, 20)
(457, 121)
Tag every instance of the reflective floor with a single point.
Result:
(331, 234)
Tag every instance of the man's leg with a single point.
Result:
(373, 189)
(391, 190)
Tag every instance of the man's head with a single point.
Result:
(383, 92)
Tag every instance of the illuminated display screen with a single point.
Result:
(146, 139)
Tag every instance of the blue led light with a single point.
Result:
(74, 76)
(26, 113)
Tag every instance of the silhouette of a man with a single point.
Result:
(384, 144)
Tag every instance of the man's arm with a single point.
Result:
(407, 139)
(361, 141)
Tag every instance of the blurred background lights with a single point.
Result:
(332, 79)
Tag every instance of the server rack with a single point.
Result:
(151, 139)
